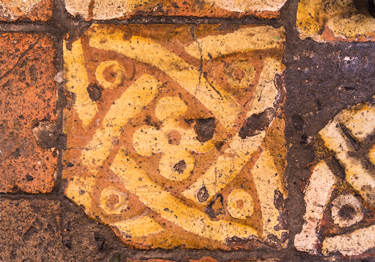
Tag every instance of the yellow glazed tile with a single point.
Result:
(176, 135)
(331, 20)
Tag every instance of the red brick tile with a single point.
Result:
(27, 113)
(34, 10)
(30, 231)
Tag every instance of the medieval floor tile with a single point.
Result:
(340, 195)
(207, 259)
(331, 20)
(176, 134)
(34, 10)
(115, 9)
(27, 113)
(30, 230)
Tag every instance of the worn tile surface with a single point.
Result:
(27, 113)
(207, 259)
(331, 20)
(17, 10)
(176, 136)
(113, 9)
(30, 230)
(340, 194)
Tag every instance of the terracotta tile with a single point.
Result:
(208, 259)
(30, 230)
(121, 9)
(331, 20)
(176, 134)
(340, 194)
(34, 10)
(28, 113)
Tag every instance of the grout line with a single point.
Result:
(62, 23)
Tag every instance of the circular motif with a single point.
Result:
(176, 165)
(175, 143)
(174, 137)
(110, 74)
(346, 210)
(113, 201)
(241, 74)
(240, 204)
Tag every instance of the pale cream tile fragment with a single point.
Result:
(358, 176)
(267, 180)
(360, 122)
(22, 6)
(352, 244)
(317, 195)
(111, 9)
(246, 5)
(80, 7)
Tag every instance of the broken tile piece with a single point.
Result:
(317, 196)
(342, 216)
(331, 20)
(169, 148)
(121, 9)
(351, 244)
(34, 10)
(28, 156)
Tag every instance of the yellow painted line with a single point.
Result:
(317, 195)
(240, 41)
(129, 105)
(267, 180)
(138, 227)
(266, 92)
(152, 195)
(77, 82)
(226, 168)
(214, 98)
(79, 190)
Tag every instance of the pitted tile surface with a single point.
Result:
(176, 135)
(120, 9)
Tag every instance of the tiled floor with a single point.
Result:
(186, 131)
(178, 129)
